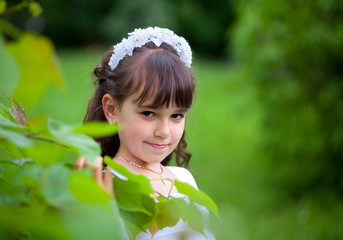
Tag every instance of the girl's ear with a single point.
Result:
(109, 107)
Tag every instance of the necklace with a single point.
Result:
(137, 165)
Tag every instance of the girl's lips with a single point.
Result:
(158, 146)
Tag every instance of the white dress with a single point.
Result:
(181, 230)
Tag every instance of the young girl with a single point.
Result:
(145, 86)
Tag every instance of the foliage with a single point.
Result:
(292, 51)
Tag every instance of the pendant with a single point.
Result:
(163, 181)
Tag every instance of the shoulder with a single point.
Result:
(183, 175)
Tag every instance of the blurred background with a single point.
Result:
(266, 128)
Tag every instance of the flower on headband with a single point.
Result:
(140, 37)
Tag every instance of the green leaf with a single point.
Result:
(35, 9)
(144, 183)
(79, 143)
(97, 129)
(15, 137)
(44, 152)
(129, 193)
(197, 196)
(193, 216)
(134, 196)
(9, 68)
(54, 184)
(27, 222)
(93, 221)
(172, 209)
(11, 149)
(4, 109)
(2, 6)
(169, 212)
(38, 65)
(5, 122)
(131, 229)
(81, 186)
(18, 161)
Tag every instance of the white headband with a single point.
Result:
(140, 37)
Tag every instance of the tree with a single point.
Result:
(292, 51)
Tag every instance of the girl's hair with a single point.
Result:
(154, 72)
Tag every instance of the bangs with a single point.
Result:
(163, 80)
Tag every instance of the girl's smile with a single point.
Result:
(158, 146)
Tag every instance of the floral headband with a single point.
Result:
(140, 37)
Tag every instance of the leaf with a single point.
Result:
(9, 68)
(2, 6)
(93, 221)
(44, 152)
(19, 161)
(129, 193)
(144, 183)
(54, 184)
(193, 216)
(38, 65)
(79, 143)
(97, 129)
(196, 196)
(81, 186)
(11, 149)
(169, 212)
(133, 196)
(15, 137)
(4, 109)
(35, 9)
(132, 230)
(5, 122)
(172, 209)
(27, 222)
(18, 113)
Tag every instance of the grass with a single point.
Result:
(223, 132)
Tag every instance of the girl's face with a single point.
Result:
(148, 134)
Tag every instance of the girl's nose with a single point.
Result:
(162, 129)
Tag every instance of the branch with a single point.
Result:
(15, 8)
(34, 136)
(10, 29)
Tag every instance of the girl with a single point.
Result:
(145, 86)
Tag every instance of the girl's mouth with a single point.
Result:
(158, 146)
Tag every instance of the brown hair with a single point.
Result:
(155, 72)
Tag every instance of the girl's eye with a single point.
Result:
(147, 114)
(177, 116)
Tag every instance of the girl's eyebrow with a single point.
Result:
(178, 110)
